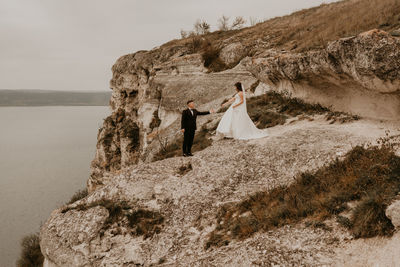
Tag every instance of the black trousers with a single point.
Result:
(188, 138)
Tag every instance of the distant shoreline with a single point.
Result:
(55, 105)
(39, 97)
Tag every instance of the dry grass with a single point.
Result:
(209, 52)
(78, 195)
(212, 61)
(308, 29)
(184, 169)
(313, 28)
(140, 221)
(370, 175)
(300, 31)
(145, 222)
(274, 108)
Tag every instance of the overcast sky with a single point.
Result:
(72, 44)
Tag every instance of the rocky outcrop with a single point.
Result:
(143, 213)
(359, 74)
(140, 213)
(149, 94)
(91, 232)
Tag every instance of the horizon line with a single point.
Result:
(54, 90)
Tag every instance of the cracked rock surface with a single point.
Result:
(225, 172)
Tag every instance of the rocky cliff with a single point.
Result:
(359, 74)
(162, 213)
(143, 213)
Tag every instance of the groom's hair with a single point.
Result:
(187, 103)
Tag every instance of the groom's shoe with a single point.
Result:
(190, 154)
(185, 155)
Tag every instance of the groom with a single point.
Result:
(188, 126)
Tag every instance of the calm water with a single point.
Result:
(45, 155)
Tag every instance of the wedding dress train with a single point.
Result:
(236, 123)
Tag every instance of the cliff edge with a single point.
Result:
(142, 211)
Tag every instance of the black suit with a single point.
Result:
(188, 122)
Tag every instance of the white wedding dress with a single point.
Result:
(236, 123)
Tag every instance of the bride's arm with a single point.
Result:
(228, 102)
(241, 100)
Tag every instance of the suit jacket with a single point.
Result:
(188, 121)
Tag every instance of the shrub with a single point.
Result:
(31, 256)
(212, 61)
(140, 221)
(78, 195)
(145, 222)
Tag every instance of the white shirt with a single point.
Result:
(191, 111)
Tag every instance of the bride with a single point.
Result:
(236, 123)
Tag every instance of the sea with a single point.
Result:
(45, 155)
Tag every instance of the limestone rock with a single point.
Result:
(359, 74)
(232, 53)
(226, 172)
(148, 97)
(393, 213)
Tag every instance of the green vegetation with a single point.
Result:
(369, 175)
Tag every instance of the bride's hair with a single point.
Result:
(239, 86)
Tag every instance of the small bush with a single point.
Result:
(145, 222)
(78, 195)
(368, 174)
(196, 43)
(211, 58)
(31, 256)
(369, 219)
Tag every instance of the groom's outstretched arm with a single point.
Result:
(205, 112)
